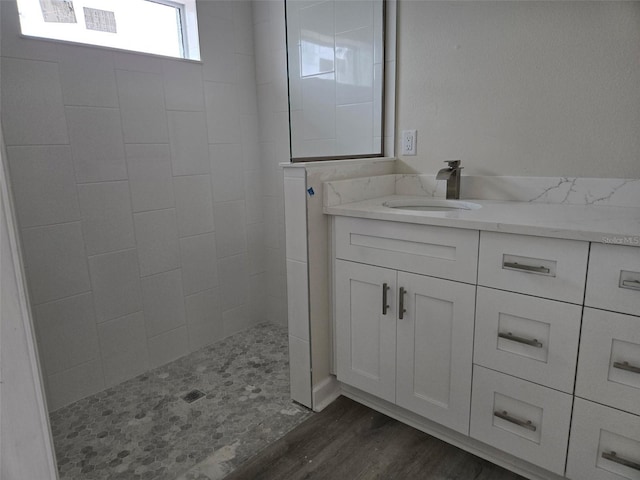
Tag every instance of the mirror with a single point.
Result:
(335, 63)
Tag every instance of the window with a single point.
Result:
(151, 26)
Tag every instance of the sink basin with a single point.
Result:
(431, 205)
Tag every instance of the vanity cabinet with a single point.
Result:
(529, 345)
(404, 337)
(605, 431)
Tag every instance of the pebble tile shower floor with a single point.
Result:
(143, 429)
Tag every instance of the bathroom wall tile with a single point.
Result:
(116, 284)
(354, 70)
(217, 47)
(246, 85)
(243, 27)
(73, 384)
(222, 113)
(298, 299)
(188, 141)
(253, 194)
(227, 172)
(319, 98)
(32, 100)
(353, 14)
(300, 373)
(194, 204)
(296, 214)
(163, 301)
(97, 144)
(231, 237)
(43, 185)
(234, 288)
(272, 239)
(14, 44)
(199, 263)
(354, 126)
(276, 311)
(55, 261)
(204, 318)
(183, 86)
(257, 302)
(138, 62)
(157, 236)
(87, 76)
(142, 107)
(66, 331)
(235, 320)
(256, 250)
(107, 220)
(123, 344)
(150, 177)
(316, 33)
(168, 346)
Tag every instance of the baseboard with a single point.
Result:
(456, 439)
(326, 392)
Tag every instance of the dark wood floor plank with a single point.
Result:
(348, 441)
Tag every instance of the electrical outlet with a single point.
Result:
(408, 142)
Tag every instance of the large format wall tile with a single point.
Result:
(96, 141)
(183, 86)
(199, 263)
(163, 302)
(188, 140)
(194, 204)
(77, 382)
(232, 239)
(55, 261)
(168, 346)
(204, 318)
(142, 107)
(43, 185)
(150, 177)
(107, 220)
(123, 343)
(32, 109)
(116, 284)
(157, 235)
(227, 172)
(66, 332)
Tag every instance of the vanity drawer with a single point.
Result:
(521, 418)
(596, 433)
(544, 267)
(613, 282)
(528, 337)
(442, 252)
(609, 364)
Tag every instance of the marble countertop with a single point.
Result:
(595, 223)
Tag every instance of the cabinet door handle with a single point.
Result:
(626, 366)
(631, 284)
(385, 288)
(612, 456)
(401, 309)
(516, 421)
(525, 341)
(525, 268)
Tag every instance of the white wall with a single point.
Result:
(545, 88)
(138, 189)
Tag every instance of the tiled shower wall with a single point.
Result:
(138, 184)
(273, 108)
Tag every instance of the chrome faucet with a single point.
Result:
(452, 175)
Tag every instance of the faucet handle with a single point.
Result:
(454, 164)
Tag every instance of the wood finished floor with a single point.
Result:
(348, 441)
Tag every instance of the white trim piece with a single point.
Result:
(325, 393)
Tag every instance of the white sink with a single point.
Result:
(431, 205)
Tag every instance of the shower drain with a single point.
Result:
(192, 396)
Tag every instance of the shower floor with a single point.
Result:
(143, 429)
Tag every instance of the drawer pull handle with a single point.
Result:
(631, 284)
(525, 268)
(401, 309)
(612, 456)
(525, 341)
(626, 366)
(385, 288)
(521, 423)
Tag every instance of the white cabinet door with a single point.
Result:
(366, 336)
(435, 346)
